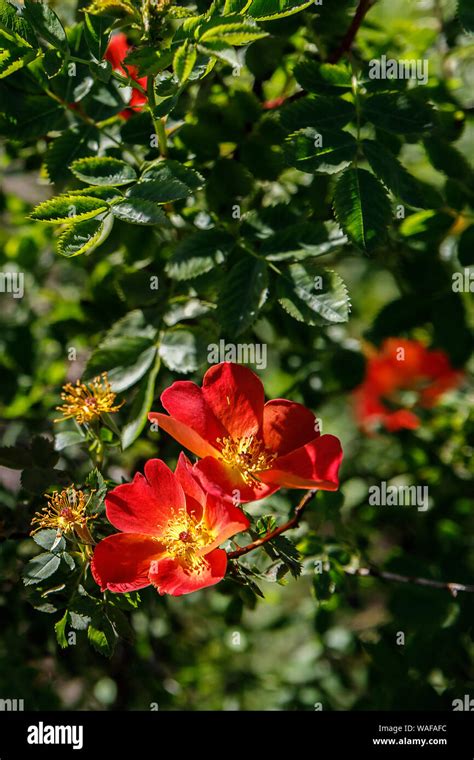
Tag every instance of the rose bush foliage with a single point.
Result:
(193, 179)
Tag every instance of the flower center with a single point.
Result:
(86, 402)
(248, 455)
(185, 538)
(66, 512)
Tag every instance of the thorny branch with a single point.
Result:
(344, 47)
(374, 572)
(349, 37)
(274, 533)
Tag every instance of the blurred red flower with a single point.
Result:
(248, 446)
(402, 375)
(170, 531)
(117, 50)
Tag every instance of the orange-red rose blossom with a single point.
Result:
(170, 533)
(248, 448)
(398, 367)
(117, 50)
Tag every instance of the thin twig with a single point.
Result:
(344, 47)
(385, 575)
(349, 37)
(374, 572)
(292, 523)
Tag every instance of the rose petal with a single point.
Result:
(287, 426)
(236, 397)
(117, 50)
(315, 465)
(122, 562)
(224, 520)
(189, 482)
(144, 505)
(171, 577)
(225, 481)
(185, 402)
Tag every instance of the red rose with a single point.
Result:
(247, 445)
(399, 367)
(170, 535)
(117, 50)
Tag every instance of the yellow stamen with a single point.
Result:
(86, 402)
(248, 454)
(185, 539)
(66, 512)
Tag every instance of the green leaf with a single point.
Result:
(84, 236)
(126, 359)
(166, 181)
(362, 208)
(138, 211)
(96, 34)
(244, 293)
(101, 70)
(113, 7)
(431, 225)
(33, 116)
(53, 62)
(183, 61)
(445, 158)
(104, 192)
(60, 631)
(68, 559)
(126, 352)
(229, 32)
(263, 10)
(68, 438)
(394, 176)
(40, 568)
(82, 607)
(303, 240)
(13, 56)
(103, 170)
(149, 61)
(222, 51)
(399, 113)
(50, 540)
(283, 549)
(313, 295)
(96, 482)
(198, 253)
(321, 112)
(137, 130)
(309, 151)
(12, 20)
(141, 406)
(68, 208)
(466, 15)
(47, 24)
(101, 635)
(184, 349)
(323, 77)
